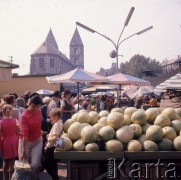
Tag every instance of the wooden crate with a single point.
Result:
(84, 170)
(89, 165)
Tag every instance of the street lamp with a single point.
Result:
(115, 53)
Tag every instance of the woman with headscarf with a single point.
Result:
(67, 106)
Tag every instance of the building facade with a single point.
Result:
(48, 60)
(108, 72)
(171, 65)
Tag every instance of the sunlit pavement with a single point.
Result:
(62, 172)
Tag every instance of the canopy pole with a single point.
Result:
(119, 105)
(78, 83)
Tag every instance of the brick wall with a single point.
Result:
(21, 84)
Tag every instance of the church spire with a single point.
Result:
(77, 50)
(51, 39)
(76, 39)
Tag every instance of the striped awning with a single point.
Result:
(173, 83)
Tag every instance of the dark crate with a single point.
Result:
(84, 170)
(98, 165)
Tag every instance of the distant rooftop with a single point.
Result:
(5, 64)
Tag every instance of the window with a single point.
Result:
(41, 63)
(52, 62)
(75, 61)
(76, 51)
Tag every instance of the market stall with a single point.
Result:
(105, 165)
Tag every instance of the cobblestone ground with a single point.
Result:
(62, 172)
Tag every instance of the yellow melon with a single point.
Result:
(117, 110)
(89, 134)
(177, 143)
(154, 133)
(94, 117)
(92, 147)
(169, 133)
(129, 111)
(79, 145)
(103, 121)
(151, 114)
(98, 126)
(115, 120)
(162, 120)
(150, 146)
(127, 119)
(67, 124)
(125, 134)
(138, 117)
(103, 113)
(74, 131)
(106, 133)
(137, 130)
(83, 117)
(134, 146)
(114, 146)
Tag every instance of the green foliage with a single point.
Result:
(138, 64)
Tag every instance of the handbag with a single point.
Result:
(22, 171)
(24, 165)
(59, 142)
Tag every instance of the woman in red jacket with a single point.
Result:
(30, 148)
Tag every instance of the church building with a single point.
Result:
(48, 60)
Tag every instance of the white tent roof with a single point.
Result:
(44, 92)
(125, 79)
(172, 83)
(76, 75)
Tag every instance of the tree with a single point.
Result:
(138, 64)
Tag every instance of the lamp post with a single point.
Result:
(115, 52)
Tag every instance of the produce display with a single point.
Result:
(131, 130)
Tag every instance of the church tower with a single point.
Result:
(77, 50)
(48, 60)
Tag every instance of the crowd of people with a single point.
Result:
(31, 124)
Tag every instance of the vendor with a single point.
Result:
(153, 101)
(109, 104)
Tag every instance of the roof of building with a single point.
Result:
(49, 46)
(46, 48)
(156, 80)
(51, 39)
(172, 61)
(5, 64)
(76, 39)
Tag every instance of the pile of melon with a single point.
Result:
(130, 130)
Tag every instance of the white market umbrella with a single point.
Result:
(173, 83)
(44, 92)
(125, 79)
(76, 76)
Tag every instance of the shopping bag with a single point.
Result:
(22, 171)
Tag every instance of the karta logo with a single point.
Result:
(125, 169)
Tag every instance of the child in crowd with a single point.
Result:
(9, 130)
(50, 164)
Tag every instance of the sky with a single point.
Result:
(24, 25)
